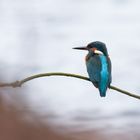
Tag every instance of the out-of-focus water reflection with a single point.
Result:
(38, 36)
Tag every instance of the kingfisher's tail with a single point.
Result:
(103, 92)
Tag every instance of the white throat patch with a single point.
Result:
(98, 52)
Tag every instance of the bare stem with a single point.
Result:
(21, 82)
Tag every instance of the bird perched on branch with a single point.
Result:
(98, 65)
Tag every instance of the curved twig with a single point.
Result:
(21, 82)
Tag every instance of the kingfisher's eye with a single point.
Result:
(90, 46)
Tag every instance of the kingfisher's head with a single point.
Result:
(96, 47)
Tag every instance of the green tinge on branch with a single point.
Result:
(21, 82)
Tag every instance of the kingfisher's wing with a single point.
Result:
(94, 68)
(109, 69)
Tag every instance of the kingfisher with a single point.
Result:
(98, 65)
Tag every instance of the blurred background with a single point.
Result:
(38, 36)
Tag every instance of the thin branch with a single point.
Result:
(124, 92)
(21, 82)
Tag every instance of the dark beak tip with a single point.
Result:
(73, 48)
(80, 48)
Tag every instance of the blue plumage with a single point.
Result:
(103, 84)
(98, 66)
(93, 68)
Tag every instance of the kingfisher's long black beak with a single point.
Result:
(81, 48)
